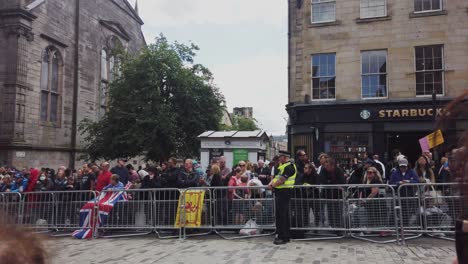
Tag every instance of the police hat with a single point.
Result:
(284, 153)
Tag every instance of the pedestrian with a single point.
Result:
(188, 177)
(333, 175)
(393, 163)
(322, 158)
(104, 176)
(263, 172)
(115, 184)
(170, 175)
(282, 185)
(121, 170)
(424, 171)
(88, 180)
(60, 182)
(301, 161)
(225, 170)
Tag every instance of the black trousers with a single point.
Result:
(282, 197)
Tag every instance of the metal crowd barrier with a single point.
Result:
(10, 208)
(131, 214)
(165, 204)
(66, 210)
(372, 211)
(316, 212)
(241, 212)
(429, 209)
(200, 212)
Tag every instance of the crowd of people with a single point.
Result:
(169, 174)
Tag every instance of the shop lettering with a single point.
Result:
(391, 113)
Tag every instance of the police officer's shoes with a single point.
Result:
(280, 241)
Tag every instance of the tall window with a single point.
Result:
(427, 5)
(323, 11)
(374, 73)
(323, 76)
(373, 8)
(110, 68)
(429, 69)
(50, 85)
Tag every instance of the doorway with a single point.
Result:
(407, 143)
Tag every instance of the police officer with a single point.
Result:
(282, 185)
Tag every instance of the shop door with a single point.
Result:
(407, 143)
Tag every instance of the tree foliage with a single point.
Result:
(241, 123)
(157, 107)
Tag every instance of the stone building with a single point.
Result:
(362, 73)
(57, 58)
(246, 112)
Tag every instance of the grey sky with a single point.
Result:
(243, 42)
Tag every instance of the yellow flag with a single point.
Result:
(189, 212)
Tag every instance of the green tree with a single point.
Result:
(157, 107)
(241, 123)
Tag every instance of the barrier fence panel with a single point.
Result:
(38, 211)
(125, 213)
(243, 212)
(166, 206)
(67, 206)
(10, 208)
(318, 212)
(410, 217)
(372, 213)
(196, 212)
(442, 204)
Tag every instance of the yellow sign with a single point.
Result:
(435, 139)
(189, 212)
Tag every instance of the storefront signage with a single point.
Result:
(410, 112)
(216, 153)
(240, 154)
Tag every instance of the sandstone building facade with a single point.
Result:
(362, 73)
(56, 59)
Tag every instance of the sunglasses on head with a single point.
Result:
(242, 165)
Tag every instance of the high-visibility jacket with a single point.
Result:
(289, 183)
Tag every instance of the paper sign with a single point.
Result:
(435, 139)
(431, 141)
(424, 144)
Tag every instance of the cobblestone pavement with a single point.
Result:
(212, 249)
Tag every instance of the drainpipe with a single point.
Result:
(75, 86)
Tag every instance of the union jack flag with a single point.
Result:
(103, 204)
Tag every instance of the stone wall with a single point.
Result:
(399, 33)
(24, 138)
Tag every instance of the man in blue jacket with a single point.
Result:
(403, 175)
(402, 178)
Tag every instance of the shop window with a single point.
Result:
(51, 71)
(344, 147)
(429, 70)
(373, 8)
(427, 5)
(323, 76)
(374, 74)
(323, 11)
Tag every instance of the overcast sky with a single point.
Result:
(243, 42)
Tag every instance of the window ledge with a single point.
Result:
(49, 124)
(372, 19)
(325, 24)
(426, 14)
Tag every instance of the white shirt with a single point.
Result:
(383, 168)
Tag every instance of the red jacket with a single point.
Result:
(33, 177)
(103, 180)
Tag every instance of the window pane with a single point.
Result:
(438, 77)
(438, 64)
(103, 94)
(331, 93)
(365, 62)
(322, 12)
(419, 89)
(437, 52)
(438, 88)
(44, 103)
(323, 71)
(55, 73)
(419, 64)
(331, 64)
(418, 5)
(53, 107)
(428, 88)
(419, 77)
(428, 64)
(111, 68)
(436, 4)
(315, 65)
(426, 5)
(316, 83)
(45, 70)
(428, 77)
(315, 94)
(104, 65)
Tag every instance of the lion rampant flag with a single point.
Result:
(189, 212)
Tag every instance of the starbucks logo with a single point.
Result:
(365, 114)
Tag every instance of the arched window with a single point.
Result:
(110, 69)
(51, 72)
